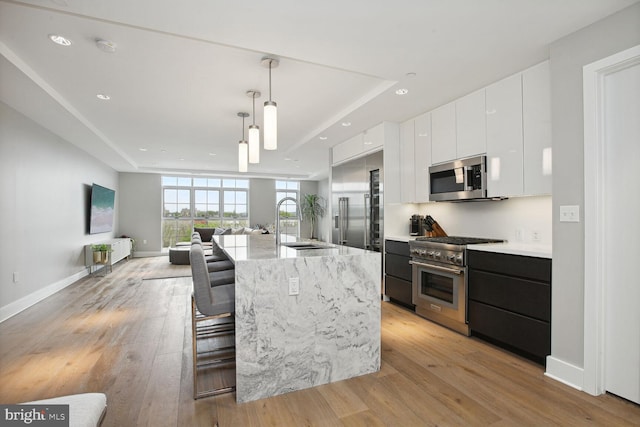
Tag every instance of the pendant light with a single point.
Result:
(243, 148)
(270, 111)
(254, 131)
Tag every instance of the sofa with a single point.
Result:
(206, 234)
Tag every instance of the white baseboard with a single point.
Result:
(138, 254)
(25, 302)
(564, 372)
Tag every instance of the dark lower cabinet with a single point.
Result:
(397, 279)
(509, 302)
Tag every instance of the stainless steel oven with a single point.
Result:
(439, 294)
(439, 279)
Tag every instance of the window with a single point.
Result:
(288, 215)
(202, 202)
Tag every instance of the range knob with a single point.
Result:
(431, 254)
(437, 255)
(451, 258)
(459, 259)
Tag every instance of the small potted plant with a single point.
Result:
(312, 208)
(101, 253)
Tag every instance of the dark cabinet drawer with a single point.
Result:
(519, 332)
(395, 247)
(533, 268)
(398, 266)
(398, 290)
(521, 296)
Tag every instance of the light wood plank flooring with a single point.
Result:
(131, 339)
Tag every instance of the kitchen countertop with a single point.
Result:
(515, 248)
(400, 238)
(246, 247)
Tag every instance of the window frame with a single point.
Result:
(177, 228)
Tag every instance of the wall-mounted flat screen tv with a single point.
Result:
(102, 209)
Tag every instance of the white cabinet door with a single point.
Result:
(504, 138)
(422, 161)
(348, 149)
(391, 164)
(373, 138)
(407, 159)
(536, 118)
(471, 129)
(443, 133)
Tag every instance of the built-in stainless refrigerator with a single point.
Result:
(357, 200)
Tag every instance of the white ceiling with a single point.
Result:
(181, 70)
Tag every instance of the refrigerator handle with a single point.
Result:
(343, 212)
(367, 213)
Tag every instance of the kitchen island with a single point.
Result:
(304, 317)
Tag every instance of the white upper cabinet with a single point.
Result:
(373, 138)
(391, 164)
(471, 129)
(368, 141)
(443, 133)
(536, 115)
(351, 148)
(422, 160)
(407, 162)
(504, 138)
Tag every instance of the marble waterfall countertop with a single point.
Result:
(328, 331)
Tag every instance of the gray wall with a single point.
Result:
(140, 211)
(262, 204)
(45, 186)
(567, 57)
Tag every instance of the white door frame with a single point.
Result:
(594, 214)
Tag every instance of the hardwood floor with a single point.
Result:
(131, 339)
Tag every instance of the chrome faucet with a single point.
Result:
(278, 215)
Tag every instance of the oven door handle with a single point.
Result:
(437, 267)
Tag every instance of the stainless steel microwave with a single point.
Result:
(464, 179)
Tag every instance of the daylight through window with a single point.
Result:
(202, 202)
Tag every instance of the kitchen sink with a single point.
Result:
(305, 245)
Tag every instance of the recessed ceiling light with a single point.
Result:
(402, 91)
(323, 138)
(106, 45)
(287, 158)
(411, 74)
(58, 39)
(163, 151)
(212, 154)
(346, 124)
(142, 149)
(103, 97)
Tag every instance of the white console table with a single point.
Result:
(119, 249)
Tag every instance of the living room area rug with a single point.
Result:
(159, 267)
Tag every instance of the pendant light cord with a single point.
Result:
(270, 80)
(254, 109)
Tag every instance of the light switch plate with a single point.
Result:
(570, 213)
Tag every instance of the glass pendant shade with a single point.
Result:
(254, 144)
(243, 156)
(270, 126)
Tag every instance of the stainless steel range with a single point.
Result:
(439, 268)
